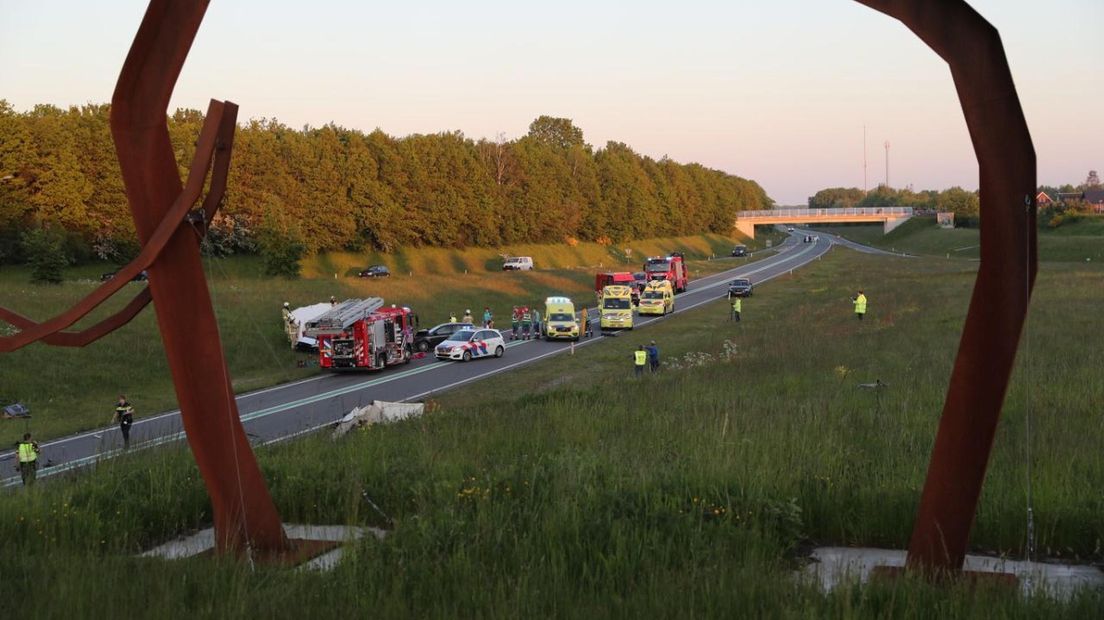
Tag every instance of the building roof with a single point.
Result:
(1093, 196)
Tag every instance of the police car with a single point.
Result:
(468, 344)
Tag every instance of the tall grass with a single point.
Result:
(570, 489)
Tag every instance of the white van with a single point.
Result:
(518, 263)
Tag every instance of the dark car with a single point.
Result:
(740, 287)
(141, 277)
(426, 339)
(375, 271)
(739, 250)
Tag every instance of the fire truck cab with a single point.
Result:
(670, 268)
(361, 334)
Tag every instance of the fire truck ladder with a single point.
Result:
(342, 316)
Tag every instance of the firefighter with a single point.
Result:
(288, 318)
(526, 322)
(640, 359)
(584, 321)
(860, 305)
(333, 301)
(488, 318)
(468, 316)
(737, 306)
(124, 415)
(28, 459)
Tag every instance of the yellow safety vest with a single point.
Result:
(737, 303)
(641, 357)
(27, 452)
(860, 304)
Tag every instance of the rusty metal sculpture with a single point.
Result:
(245, 516)
(998, 306)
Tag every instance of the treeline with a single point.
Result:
(332, 188)
(963, 203)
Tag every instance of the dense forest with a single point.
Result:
(332, 188)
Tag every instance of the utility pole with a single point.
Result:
(864, 159)
(887, 163)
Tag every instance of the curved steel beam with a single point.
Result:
(245, 516)
(998, 307)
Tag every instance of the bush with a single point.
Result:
(44, 248)
(281, 253)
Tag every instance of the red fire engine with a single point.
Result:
(624, 278)
(362, 334)
(667, 268)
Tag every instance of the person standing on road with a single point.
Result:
(536, 324)
(860, 305)
(488, 318)
(515, 323)
(468, 318)
(124, 415)
(584, 321)
(653, 357)
(737, 307)
(640, 359)
(28, 460)
(526, 322)
(452, 317)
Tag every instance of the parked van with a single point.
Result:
(616, 307)
(658, 298)
(559, 319)
(518, 263)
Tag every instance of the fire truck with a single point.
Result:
(670, 268)
(621, 278)
(362, 334)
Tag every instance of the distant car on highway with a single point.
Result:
(518, 263)
(375, 271)
(740, 287)
(789, 229)
(141, 277)
(739, 250)
(426, 339)
(468, 344)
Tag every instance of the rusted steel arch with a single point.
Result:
(1009, 262)
(217, 131)
(245, 516)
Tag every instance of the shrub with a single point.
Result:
(44, 248)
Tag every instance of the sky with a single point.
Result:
(776, 91)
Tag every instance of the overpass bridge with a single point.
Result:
(890, 217)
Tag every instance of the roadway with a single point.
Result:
(293, 409)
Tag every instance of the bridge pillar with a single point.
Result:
(746, 228)
(893, 222)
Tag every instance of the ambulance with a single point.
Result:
(559, 319)
(616, 307)
(658, 298)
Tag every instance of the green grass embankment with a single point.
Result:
(569, 489)
(1071, 242)
(70, 390)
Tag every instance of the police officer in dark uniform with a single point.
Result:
(124, 415)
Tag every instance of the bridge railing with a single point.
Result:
(852, 212)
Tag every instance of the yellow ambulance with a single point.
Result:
(658, 298)
(559, 319)
(616, 307)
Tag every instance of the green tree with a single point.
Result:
(44, 247)
(558, 133)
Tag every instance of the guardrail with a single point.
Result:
(853, 212)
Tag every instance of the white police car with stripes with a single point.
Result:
(468, 344)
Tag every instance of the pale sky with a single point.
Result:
(776, 91)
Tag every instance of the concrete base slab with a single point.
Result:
(832, 566)
(204, 542)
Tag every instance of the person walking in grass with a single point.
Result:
(488, 318)
(860, 305)
(640, 360)
(27, 451)
(515, 323)
(737, 308)
(124, 416)
(653, 357)
(584, 322)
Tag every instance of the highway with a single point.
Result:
(286, 411)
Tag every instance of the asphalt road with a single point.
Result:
(286, 411)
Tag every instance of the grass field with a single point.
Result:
(247, 304)
(1073, 242)
(572, 490)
